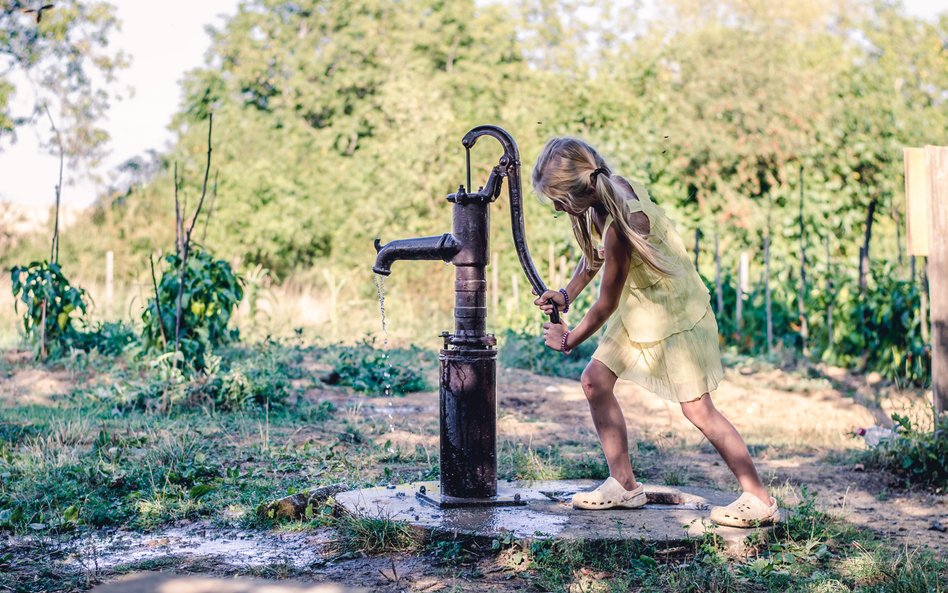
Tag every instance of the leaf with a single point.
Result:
(199, 491)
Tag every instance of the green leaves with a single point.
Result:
(211, 294)
(52, 319)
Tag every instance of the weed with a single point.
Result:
(524, 349)
(379, 372)
(376, 535)
(917, 456)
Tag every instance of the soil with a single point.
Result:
(797, 424)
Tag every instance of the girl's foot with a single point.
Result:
(746, 511)
(610, 494)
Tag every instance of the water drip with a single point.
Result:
(386, 374)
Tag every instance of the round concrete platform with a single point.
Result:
(672, 515)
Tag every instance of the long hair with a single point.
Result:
(564, 173)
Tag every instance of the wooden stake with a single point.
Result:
(494, 281)
(717, 277)
(109, 287)
(829, 299)
(936, 158)
(801, 296)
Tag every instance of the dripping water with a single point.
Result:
(386, 365)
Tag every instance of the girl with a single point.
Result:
(661, 333)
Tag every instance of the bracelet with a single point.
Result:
(566, 298)
(563, 348)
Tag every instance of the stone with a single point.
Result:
(294, 506)
(672, 516)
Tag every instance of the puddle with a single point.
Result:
(230, 547)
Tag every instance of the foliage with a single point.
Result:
(110, 338)
(211, 293)
(879, 330)
(54, 308)
(375, 371)
(63, 56)
(524, 349)
(918, 456)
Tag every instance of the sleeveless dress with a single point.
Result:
(663, 336)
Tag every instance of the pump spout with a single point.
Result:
(443, 247)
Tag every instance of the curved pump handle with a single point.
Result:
(510, 163)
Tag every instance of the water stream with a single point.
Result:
(387, 366)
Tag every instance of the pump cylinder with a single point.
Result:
(468, 402)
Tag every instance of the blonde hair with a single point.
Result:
(564, 172)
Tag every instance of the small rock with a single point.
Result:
(294, 506)
(746, 371)
(859, 467)
(873, 378)
(937, 526)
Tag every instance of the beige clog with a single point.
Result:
(746, 511)
(610, 494)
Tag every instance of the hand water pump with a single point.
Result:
(468, 398)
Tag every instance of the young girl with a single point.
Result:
(661, 331)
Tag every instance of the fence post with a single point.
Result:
(936, 158)
(829, 299)
(717, 276)
(742, 287)
(109, 288)
(494, 281)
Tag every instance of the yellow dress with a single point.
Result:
(663, 336)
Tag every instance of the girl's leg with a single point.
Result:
(728, 442)
(598, 384)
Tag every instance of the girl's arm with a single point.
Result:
(582, 276)
(615, 271)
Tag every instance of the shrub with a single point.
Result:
(211, 293)
(524, 349)
(54, 308)
(367, 369)
(110, 338)
(919, 457)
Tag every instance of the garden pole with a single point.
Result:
(936, 157)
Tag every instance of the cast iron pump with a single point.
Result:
(468, 399)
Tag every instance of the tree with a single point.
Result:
(61, 56)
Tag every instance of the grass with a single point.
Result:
(101, 454)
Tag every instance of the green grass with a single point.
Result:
(104, 454)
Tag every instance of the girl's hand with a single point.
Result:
(546, 307)
(553, 334)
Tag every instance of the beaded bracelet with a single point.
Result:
(565, 298)
(563, 348)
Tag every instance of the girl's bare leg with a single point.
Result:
(598, 385)
(728, 442)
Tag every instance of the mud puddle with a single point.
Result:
(231, 548)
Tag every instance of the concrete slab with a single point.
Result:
(673, 516)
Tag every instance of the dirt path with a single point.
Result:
(797, 427)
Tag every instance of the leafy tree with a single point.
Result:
(59, 54)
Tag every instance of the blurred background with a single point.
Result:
(768, 132)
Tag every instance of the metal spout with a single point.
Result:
(443, 247)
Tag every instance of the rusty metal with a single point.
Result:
(468, 404)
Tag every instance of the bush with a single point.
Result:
(380, 372)
(110, 338)
(524, 349)
(54, 308)
(919, 457)
(211, 293)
